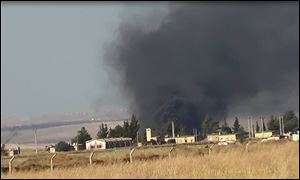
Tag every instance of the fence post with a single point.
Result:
(91, 161)
(10, 164)
(247, 146)
(51, 162)
(210, 149)
(170, 151)
(131, 154)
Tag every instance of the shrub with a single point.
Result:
(62, 146)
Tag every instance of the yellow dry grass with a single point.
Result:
(266, 160)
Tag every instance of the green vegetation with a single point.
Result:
(127, 130)
(265, 160)
(236, 125)
(237, 128)
(264, 126)
(290, 120)
(62, 146)
(209, 125)
(257, 127)
(103, 131)
(82, 137)
(273, 123)
(225, 129)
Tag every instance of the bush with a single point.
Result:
(62, 146)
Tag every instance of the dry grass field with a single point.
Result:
(264, 160)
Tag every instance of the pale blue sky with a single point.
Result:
(51, 56)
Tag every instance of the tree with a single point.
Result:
(82, 137)
(273, 123)
(133, 127)
(103, 131)
(209, 125)
(236, 125)
(290, 121)
(241, 133)
(225, 128)
(62, 146)
(264, 126)
(141, 138)
(118, 131)
(239, 130)
(257, 127)
(127, 130)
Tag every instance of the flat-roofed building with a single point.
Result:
(182, 139)
(227, 138)
(295, 136)
(230, 138)
(107, 143)
(213, 138)
(185, 139)
(265, 134)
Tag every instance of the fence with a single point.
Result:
(90, 158)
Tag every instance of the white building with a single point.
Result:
(295, 137)
(265, 134)
(52, 150)
(182, 139)
(107, 143)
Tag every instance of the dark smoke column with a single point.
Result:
(208, 57)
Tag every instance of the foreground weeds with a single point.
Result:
(266, 160)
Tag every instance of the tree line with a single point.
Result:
(208, 125)
(290, 120)
(129, 129)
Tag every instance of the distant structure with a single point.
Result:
(148, 134)
(154, 139)
(215, 138)
(166, 139)
(265, 134)
(76, 146)
(50, 148)
(295, 136)
(14, 151)
(182, 139)
(108, 143)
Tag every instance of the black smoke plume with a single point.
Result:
(205, 58)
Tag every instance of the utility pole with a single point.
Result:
(77, 145)
(282, 125)
(249, 127)
(173, 133)
(35, 141)
(280, 132)
(251, 123)
(196, 135)
(262, 126)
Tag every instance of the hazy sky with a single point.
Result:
(51, 56)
